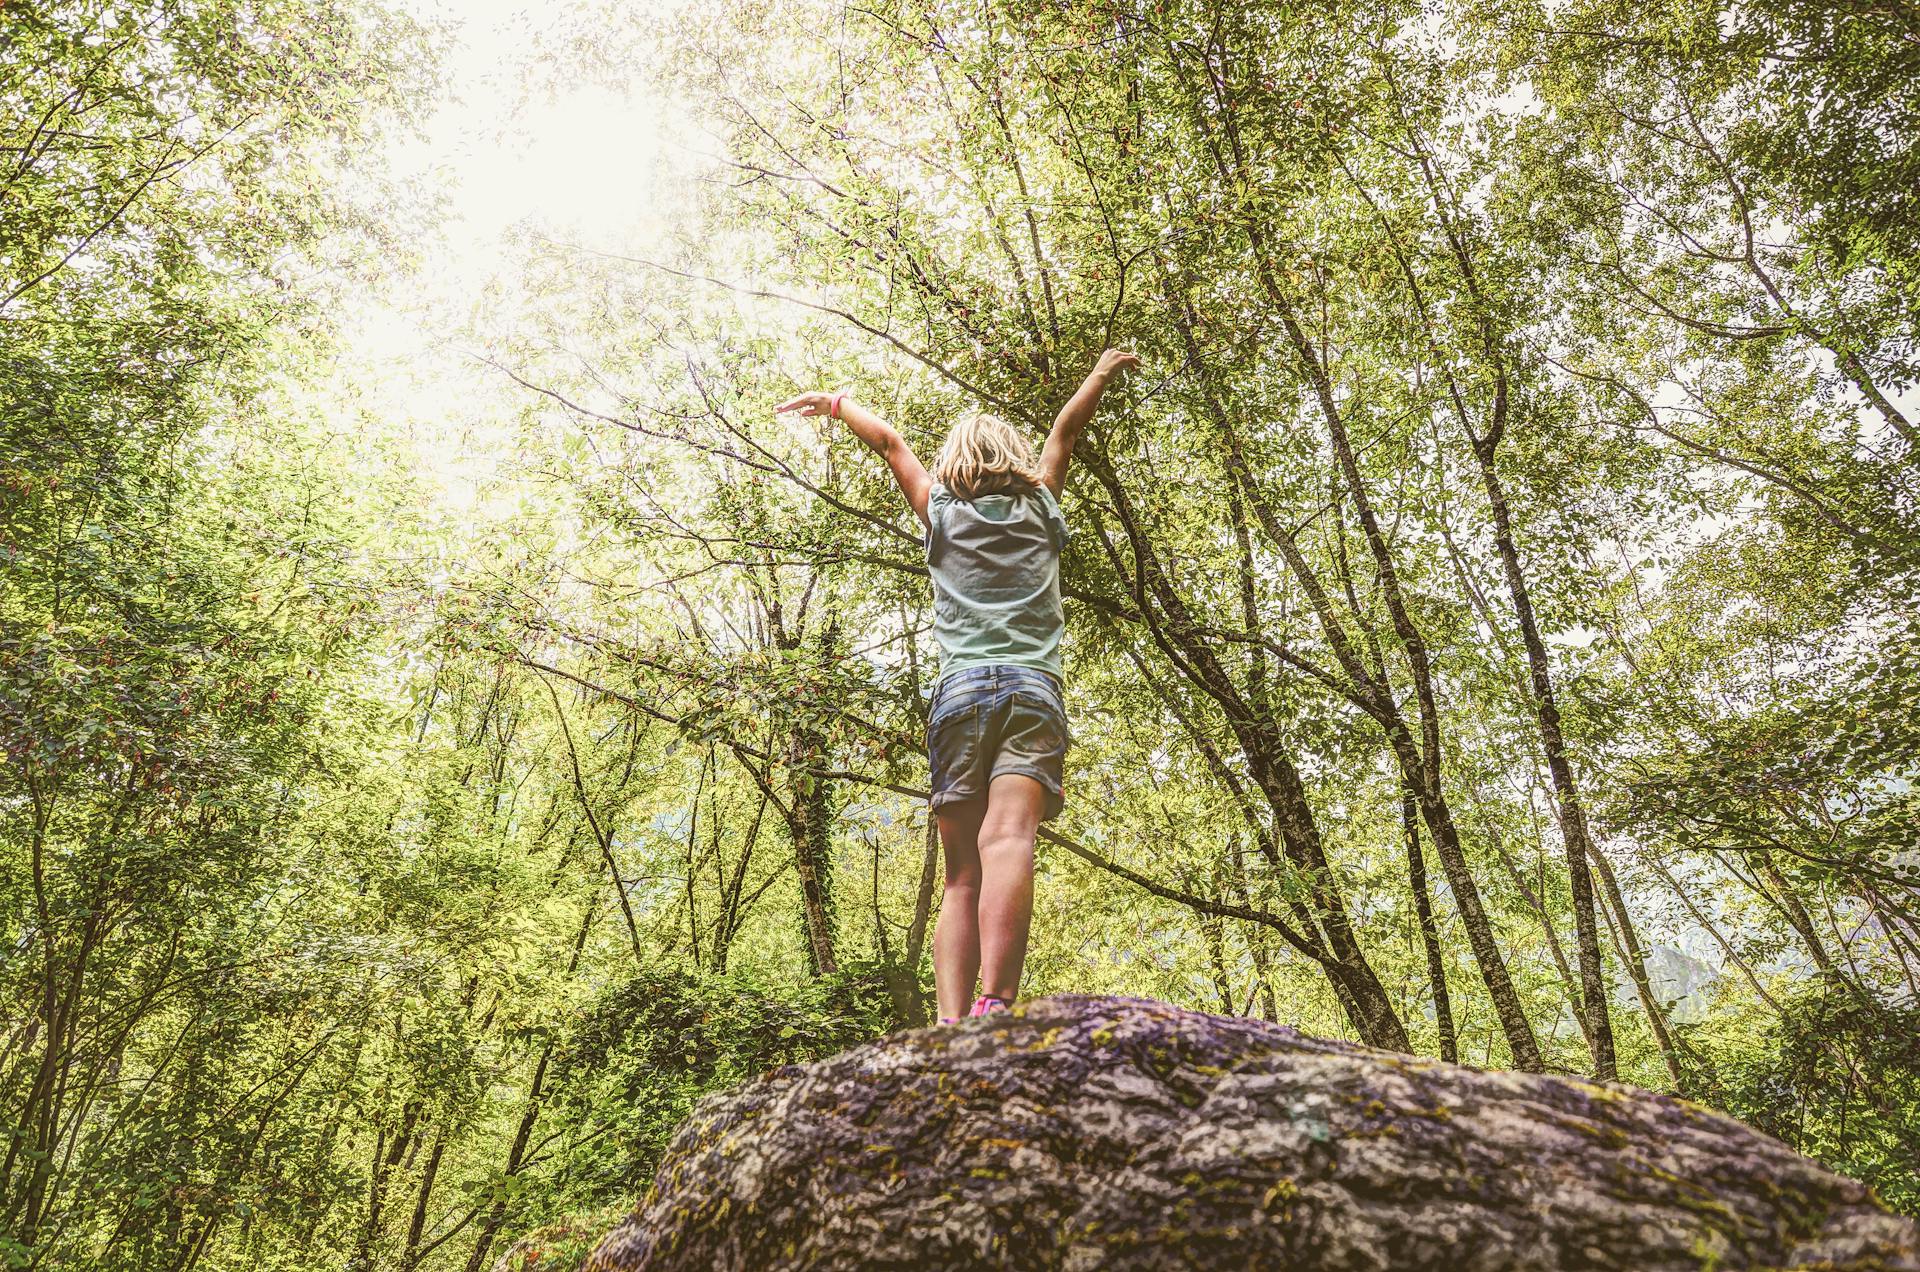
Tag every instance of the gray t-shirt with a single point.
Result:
(995, 563)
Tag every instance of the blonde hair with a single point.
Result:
(985, 455)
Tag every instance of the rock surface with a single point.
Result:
(1084, 1133)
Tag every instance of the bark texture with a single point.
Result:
(1082, 1133)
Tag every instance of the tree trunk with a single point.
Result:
(417, 1225)
(1596, 1023)
(1574, 836)
(1179, 635)
(1634, 955)
(810, 810)
(810, 826)
(1256, 937)
(383, 1164)
(907, 994)
(516, 1154)
(1429, 932)
(1537, 903)
(529, 1116)
(1797, 917)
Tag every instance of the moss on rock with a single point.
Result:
(1083, 1133)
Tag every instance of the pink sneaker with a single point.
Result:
(988, 1005)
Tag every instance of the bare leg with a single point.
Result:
(956, 935)
(1005, 848)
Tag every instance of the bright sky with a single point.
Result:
(591, 158)
(588, 162)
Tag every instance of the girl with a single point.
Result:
(997, 729)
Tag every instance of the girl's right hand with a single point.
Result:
(808, 404)
(1114, 361)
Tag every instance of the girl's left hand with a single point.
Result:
(808, 404)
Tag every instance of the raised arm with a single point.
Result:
(1073, 417)
(880, 436)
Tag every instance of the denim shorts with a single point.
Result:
(985, 721)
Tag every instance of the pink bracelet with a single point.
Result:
(833, 407)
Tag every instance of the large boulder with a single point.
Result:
(1113, 1133)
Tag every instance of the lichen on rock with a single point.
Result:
(1107, 1133)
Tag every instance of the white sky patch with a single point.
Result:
(591, 162)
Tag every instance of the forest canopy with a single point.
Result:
(448, 723)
